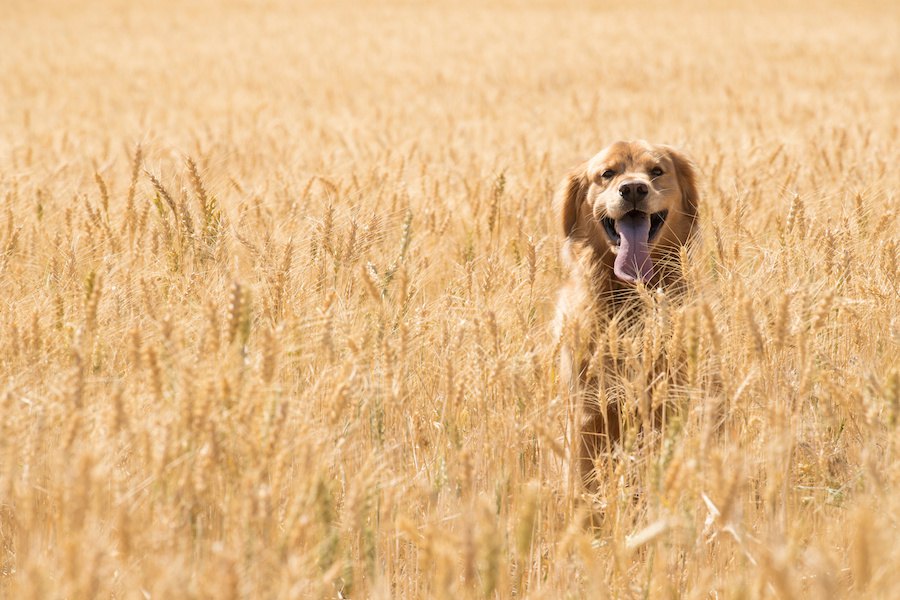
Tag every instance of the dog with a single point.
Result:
(626, 214)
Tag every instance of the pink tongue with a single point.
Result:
(633, 262)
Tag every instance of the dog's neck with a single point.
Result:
(612, 297)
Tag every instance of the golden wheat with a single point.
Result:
(276, 281)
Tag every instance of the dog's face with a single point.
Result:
(634, 200)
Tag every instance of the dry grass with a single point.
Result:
(276, 282)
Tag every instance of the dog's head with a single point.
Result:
(634, 200)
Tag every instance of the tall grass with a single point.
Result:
(276, 283)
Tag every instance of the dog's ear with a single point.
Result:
(569, 197)
(687, 179)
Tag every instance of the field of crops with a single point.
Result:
(277, 279)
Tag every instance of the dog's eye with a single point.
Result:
(608, 174)
(656, 171)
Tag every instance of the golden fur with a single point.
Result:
(593, 201)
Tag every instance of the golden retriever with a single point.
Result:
(625, 214)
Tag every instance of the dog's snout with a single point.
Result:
(633, 191)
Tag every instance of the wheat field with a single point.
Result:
(277, 278)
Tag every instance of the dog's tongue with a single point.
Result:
(633, 262)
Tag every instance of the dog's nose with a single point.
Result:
(633, 191)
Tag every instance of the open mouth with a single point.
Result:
(656, 223)
(632, 234)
